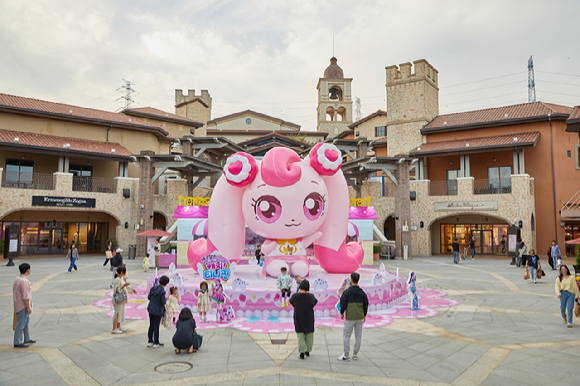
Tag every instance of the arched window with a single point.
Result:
(330, 116)
(341, 114)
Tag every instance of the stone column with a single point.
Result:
(214, 179)
(403, 210)
(146, 201)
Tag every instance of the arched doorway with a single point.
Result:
(51, 232)
(159, 221)
(490, 233)
(389, 228)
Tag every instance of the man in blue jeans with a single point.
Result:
(22, 307)
(472, 247)
(455, 246)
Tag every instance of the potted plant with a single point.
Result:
(376, 251)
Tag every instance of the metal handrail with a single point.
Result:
(94, 184)
(443, 188)
(487, 187)
(19, 180)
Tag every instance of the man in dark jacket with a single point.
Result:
(303, 303)
(156, 309)
(354, 303)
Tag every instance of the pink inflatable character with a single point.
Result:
(292, 202)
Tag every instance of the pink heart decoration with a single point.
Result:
(235, 168)
(331, 155)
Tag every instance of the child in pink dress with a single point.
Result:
(203, 304)
(173, 304)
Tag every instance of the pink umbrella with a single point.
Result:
(575, 241)
(155, 233)
(200, 229)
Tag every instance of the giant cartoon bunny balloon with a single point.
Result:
(289, 201)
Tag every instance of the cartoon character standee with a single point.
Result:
(412, 287)
(292, 202)
(223, 314)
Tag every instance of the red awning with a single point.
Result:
(155, 233)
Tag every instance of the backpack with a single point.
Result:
(116, 261)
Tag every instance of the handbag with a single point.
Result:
(166, 320)
(577, 310)
(539, 273)
(120, 297)
(108, 254)
(526, 274)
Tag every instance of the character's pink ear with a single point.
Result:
(240, 169)
(325, 158)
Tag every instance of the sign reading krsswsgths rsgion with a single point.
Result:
(71, 202)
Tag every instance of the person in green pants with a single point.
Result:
(303, 303)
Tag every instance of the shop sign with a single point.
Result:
(360, 202)
(192, 201)
(465, 205)
(71, 202)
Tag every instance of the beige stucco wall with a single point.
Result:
(367, 128)
(258, 123)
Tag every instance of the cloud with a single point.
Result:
(268, 55)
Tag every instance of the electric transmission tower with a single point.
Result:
(357, 109)
(128, 91)
(531, 82)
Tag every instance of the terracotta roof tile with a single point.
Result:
(475, 144)
(82, 113)
(154, 113)
(575, 113)
(380, 141)
(364, 119)
(495, 115)
(58, 143)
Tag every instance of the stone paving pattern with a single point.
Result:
(506, 331)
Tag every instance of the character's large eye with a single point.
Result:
(313, 206)
(268, 209)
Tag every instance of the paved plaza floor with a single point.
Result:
(506, 331)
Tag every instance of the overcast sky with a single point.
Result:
(267, 55)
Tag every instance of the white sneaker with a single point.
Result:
(122, 329)
(150, 344)
(67, 271)
(117, 331)
(343, 358)
(155, 346)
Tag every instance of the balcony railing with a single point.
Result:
(443, 188)
(94, 184)
(494, 187)
(28, 181)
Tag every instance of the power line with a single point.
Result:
(484, 80)
(476, 100)
(559, 73)
(482, 88)
(564, 84)
(559, 93)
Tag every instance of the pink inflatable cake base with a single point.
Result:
(257, 306)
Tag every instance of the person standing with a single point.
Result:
(455, 247)
(116, 262)
(567, 291)
(156, 310)
(22, 294)
(472, 247)
(157, 251)
(119, 285)
(555, 252)
(108, 252)
(73, 255)
(533, 264)
(354, 305)
(303, 303)
(258, 253)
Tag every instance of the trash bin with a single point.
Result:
(132, 251)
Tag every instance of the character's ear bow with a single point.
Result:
(240, 169)
(325, 158)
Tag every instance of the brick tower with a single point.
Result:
(196, 107)
(334, 112)
(412, 101)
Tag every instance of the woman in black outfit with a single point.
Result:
(108, 249)
(185, 337)
(303, 303)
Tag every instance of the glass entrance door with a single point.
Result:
(44, 241)
(57, 245)
(487, 242)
